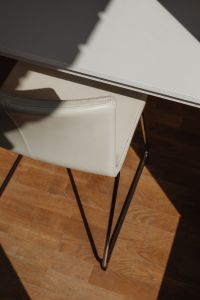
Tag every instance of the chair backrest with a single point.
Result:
(79, 134)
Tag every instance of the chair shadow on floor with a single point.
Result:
(174, 162)
(11, 287)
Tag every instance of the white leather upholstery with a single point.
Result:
(89, 130)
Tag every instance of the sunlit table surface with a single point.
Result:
(136, 44)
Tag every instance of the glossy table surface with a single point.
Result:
(137, 44)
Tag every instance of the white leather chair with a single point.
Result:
(48, 117)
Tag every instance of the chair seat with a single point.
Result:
(39, 83)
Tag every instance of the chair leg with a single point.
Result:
(110, 222)
(10, 174)
(110, 243)
(111, 239)
(144, 132)
(112, 235)
(84, 218)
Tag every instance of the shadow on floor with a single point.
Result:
(174, 136)
(11, 287)
(174, 133)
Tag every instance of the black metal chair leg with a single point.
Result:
(111, 236)
(84, 218)
(111, 242)
(10, 174)
(110, 222)
(144, 133)
(124, 210)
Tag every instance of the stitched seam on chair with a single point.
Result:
(21, 133)
(128, 139)
(67, 106)
(94, 101)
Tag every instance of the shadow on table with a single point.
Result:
(67, 23)
(186, 12)
(174, 162)
(11, 287)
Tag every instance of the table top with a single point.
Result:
(134, 43)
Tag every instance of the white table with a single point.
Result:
(136, 44)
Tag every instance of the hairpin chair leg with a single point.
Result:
(144, 132)
(111, 236)
(111, 240)
(10, 174)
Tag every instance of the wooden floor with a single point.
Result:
(44, 251)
